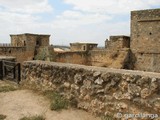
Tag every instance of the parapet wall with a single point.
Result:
(102, 91)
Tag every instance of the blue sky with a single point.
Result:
(69, 21)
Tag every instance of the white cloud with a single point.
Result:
(111, 6)
(18, 16)
(26, 6)
(97, 32)
(87, 21)
(72, 19)
(91, 20)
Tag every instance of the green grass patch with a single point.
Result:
(107, 118)
(58, 102)
(7, 88)
(2, 117)
(37, 117)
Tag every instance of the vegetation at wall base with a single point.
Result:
(2, 117)
(7, 88)
(58, 102)
(107, 118)
(36, 117)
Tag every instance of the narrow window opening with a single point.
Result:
(37, 42)
(141, 54)
(84, 48)
(24, 43)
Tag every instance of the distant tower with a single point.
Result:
(30, 41)
(106, 41)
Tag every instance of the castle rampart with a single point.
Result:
(102, 91)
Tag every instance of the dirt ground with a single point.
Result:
(20, 103)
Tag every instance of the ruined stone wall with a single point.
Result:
(101, 91)
(145, 39)
(110, 58)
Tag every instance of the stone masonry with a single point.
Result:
(145, 39)
(140, 52)
(101, 91)
(117, 42)
(27, 46)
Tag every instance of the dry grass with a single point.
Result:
(2, 117)
(58, 102)
(37, 117)
(6, 86)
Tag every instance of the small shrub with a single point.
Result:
(58, 102)
(107, 118)
(2, 117)
(37, 117)
(7, 88)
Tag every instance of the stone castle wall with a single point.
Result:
(78, 57)
(83, 46)
(19, 53)
(101, 91)
(117, 42)
(110, 58)
(145, 39)
(145, 27)
(101, 58)
(23, 46)
(29, 40)
(144, 53)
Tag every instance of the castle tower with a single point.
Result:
(145, 39)
(30, 41)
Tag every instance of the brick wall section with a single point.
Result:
(101, 91)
